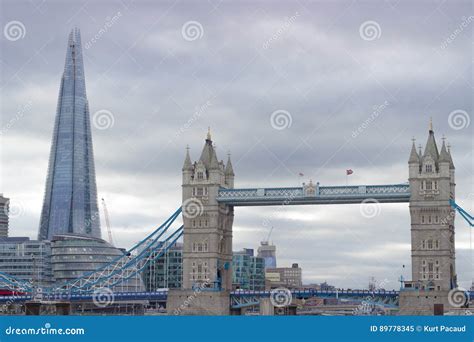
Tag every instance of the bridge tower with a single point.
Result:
(432, 183)
(207, 245)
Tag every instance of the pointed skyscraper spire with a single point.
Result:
(70, 200)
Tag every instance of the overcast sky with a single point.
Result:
(351, 83)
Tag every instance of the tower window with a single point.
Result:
(429, 185)
(429, 168)
(430, 244)
(200, 175)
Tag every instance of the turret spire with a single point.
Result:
(188, 166)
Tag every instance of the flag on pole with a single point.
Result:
(349, 172)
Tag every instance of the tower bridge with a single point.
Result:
(209, 198)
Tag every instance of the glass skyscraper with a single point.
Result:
(70, 199)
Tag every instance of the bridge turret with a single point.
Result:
(187, 168)
(432, 226)
(229, 173)
(207, 238)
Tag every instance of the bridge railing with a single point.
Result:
(314, 194)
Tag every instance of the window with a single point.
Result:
(436, 185)
(200, 175)
(422, 218)
(429, 185)
(437, 244)
(423, 245)
(429, 168)
(430, 244)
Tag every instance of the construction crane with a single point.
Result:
(269, 234)
(107, 222)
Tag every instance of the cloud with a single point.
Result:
(316, 67)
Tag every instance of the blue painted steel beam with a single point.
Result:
(391, 193)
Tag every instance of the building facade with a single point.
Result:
(75, 255)
(70, 199)
(290, 277)
(27, 260)
(4, 209)
(166, 271)
(248, 271)
(267, 251)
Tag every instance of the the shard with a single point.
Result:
(70, 199)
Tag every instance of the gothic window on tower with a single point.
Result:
(200, 175)
(430, 270)
(436, 244)
(430, 244)
(429, 168)
(429, 185)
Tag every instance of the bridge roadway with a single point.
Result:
(236, 296)
(315, 194)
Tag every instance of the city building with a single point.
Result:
(290, 277)
(27, 260)
(248, 271)
(267, 251)
(165, 271)
(75, 255)
(4, 216)
(70, 199)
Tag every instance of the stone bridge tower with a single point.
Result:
(431, 178)
(207, 247)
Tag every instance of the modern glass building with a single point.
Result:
(267, 251)
(248, 271)
(166, 271)
(75, 255)
(27, 260)
(70, 199)
(3, 216)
